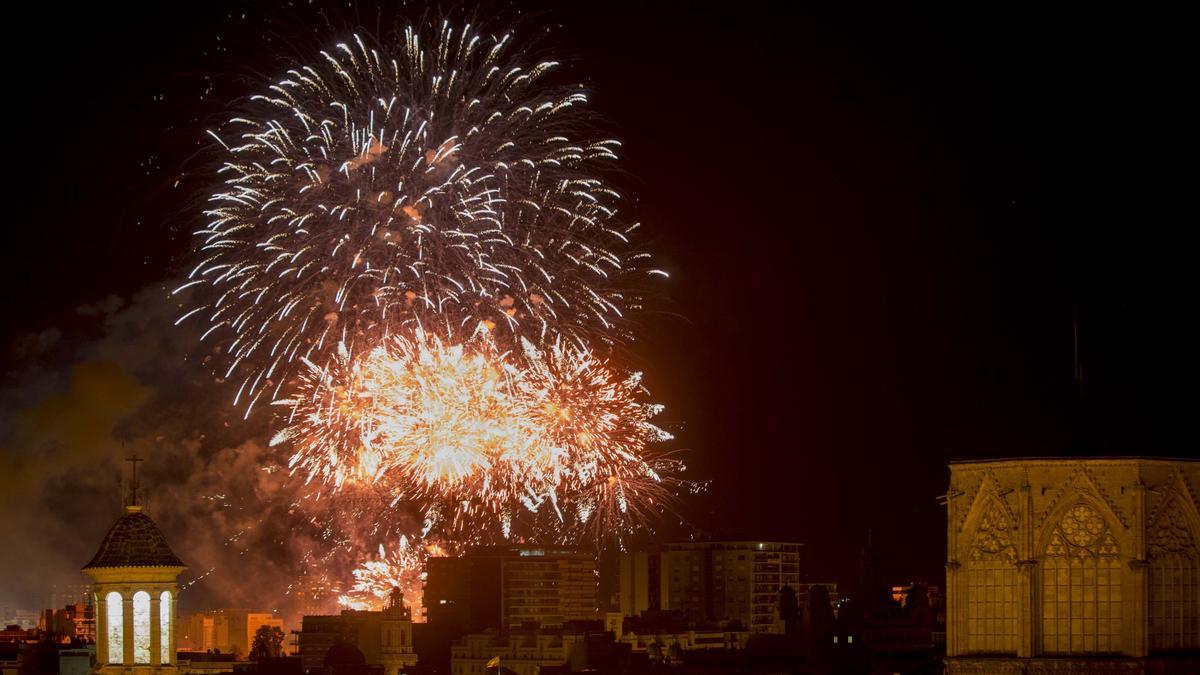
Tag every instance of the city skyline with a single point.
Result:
(894, 240)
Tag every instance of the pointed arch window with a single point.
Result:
(1174, 582)
(114, 620)
(1081, 586)
(992, 586)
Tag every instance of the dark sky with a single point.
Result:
(879, 221)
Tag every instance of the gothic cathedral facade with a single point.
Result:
(1073, 565)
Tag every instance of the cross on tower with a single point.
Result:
(134, 484)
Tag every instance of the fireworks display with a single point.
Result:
(416, 252)
(466, 426)
(402, 568)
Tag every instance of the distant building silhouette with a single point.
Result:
(74, 623)
(523, 653)
(357, 641)
(230, 631)
(875, 631)
(711, 581)
(582, 647)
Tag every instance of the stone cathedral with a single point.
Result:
(135, 594)
(1073, 566)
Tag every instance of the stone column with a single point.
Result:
(1027, 613)
(172, 615)
(953, 590)
(155, 630)
(127, 623)
(954, 627)
(100, 606)
(1135, 605)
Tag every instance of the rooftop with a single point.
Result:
(1066, 459)
(134, 541)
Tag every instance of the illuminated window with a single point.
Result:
(141, 627)
(1081, 586)
(992, 586)
(164, 627)
(114, 618)
(1173, 583)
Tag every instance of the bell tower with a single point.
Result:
(396, 648)
(135, 594)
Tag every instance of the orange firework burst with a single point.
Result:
(481, 430)
(420, 414)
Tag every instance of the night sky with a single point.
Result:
(879, 222)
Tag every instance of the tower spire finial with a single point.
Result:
(133, 484)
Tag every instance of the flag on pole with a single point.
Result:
(494, 663)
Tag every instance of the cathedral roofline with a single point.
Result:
(1068, 458)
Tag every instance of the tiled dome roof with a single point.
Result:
(134, 541)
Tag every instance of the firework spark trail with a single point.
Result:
(597, 427)
(402, 568)
(437, 183)
(415, 249)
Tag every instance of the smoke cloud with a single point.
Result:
(73, 407)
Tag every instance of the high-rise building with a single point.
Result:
(511, 587)
(198, 632)
(1073, 566)
(463, 592)
(710, 580)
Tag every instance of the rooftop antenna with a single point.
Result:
(133, 485)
